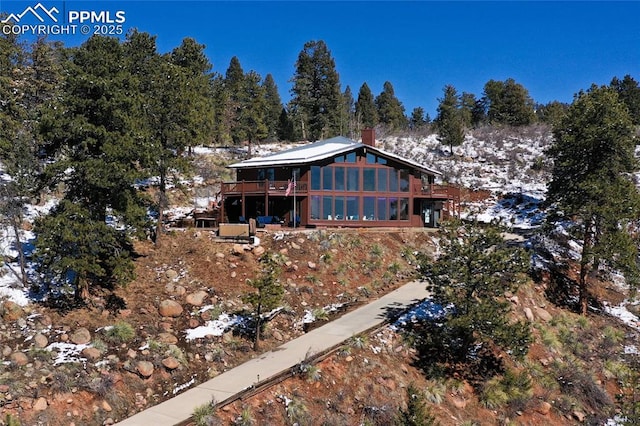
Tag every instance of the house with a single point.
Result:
(337, 182)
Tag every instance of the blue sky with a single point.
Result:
(554, 49)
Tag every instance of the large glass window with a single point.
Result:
(350, 157)
(353, 208)
(339, 208)
(371, 158)
(381, 204)
(353, 179)
(315, 207)
(382, 180)
(327, 178)
(369, 179)
(404, 209)
(339, 175)
(404, 180)
(315, 178)
(393, 208)
(327, 208)
(368, 208)
(393, 180)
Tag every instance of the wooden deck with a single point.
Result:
(279, 188)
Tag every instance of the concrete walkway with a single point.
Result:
(283, 358)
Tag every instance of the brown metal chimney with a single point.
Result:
(369, 137)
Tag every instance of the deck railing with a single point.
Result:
(273, 187)
(446, 192)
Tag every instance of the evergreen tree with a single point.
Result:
(366, 112)
(629, 93)
(417, 412)
(449, 121)
(348, 114)
(471, 277)
(250, 121)
(417, 120)
(593, 153)
(316, 98)
(508, 103)
(16, 139)
(95, 155)
(285, 127)
(273, 105)
(222, 117)
(390, 109)
(552, 112)
(268, 294)
(192, 60)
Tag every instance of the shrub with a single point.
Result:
(513, 388)
(297, 412)
(202, 414)
(434, 392)
(245, 418)
(120, 332)
(417, 412)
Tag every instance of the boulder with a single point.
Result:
(258, 251)
(91, 354)
(543, 314)
(312, 265)
(543, 407)
(167, 338)
(170, 363)
(19, 358)
(170, 308)
(171, 274)
(81, 336)
(40, 341)
(40, 404)
(11, 311)
(144, 368)
(528, 313)
(197, 298)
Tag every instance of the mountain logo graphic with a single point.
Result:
(38, 11)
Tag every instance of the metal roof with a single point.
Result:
(322, 150)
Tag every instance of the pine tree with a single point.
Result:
(273, 105)
(366, 112)
(285, 127)
(250, 121)
(629, 93)
(316, 98)
(552, 112)
(348, 114)
(449, 121)
(390, 109)
(417, 120)
(417, 412)
(593, 153)
(508, 103)
(94, 152)
(471, 276)
(268, 294)
(222, 119)
(192, 60)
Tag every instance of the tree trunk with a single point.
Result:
(162, 202)
(256, 339)
(16, 230)
(587, 243)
